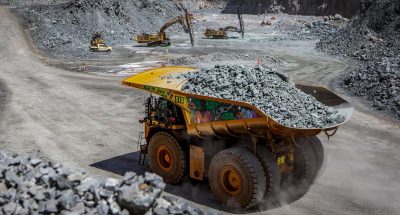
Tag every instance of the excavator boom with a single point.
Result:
(170, 23)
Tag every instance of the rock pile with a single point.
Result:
(379, 83)
(372, 37)
(29, 185)
(270, 91)
(243, 58)
(305, 28)
(315, 30)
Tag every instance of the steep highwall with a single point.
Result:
(346, 8)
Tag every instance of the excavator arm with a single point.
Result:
(170, 23)
(231, 28)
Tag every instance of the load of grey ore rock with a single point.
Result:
(30, 185)
(270, 91)
(372, 37)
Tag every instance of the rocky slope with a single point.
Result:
(300, 7)
(51, 24)
(373, 37)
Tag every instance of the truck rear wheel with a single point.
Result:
(319, 153)
(305, 165)
(237, 178)
(271, 170)
(166, 157)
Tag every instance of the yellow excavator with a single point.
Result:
(222, 33)
(160, 38)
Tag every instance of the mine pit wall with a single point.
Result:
(346, 8)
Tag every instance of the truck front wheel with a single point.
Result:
(318, 150)
(237, 178)
(305, 165)
(167, 158)
(271, 170)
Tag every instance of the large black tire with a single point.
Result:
(305, 163)
(167, 158)
(271, 171)
(237, 178)
(319, 153)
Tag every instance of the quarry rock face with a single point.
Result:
(268, 90)
(372, 38)
(118, 21)
(299, 7)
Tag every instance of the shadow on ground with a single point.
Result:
(198, 192)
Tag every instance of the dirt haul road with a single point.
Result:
(80, 119)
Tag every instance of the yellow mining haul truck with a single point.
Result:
(244, 154)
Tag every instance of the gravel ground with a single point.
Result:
(30, 185)
(270, 91)
(371, 37)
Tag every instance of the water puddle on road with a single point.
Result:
(130, 68)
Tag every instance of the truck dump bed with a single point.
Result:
(208, 116)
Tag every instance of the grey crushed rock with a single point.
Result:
(372, 38)
(57, 190)
(268, 90)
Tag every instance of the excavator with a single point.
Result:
(160, 38)
(222, 33)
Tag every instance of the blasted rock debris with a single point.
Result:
(270, 91)
(373, 38)
(30, 185)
